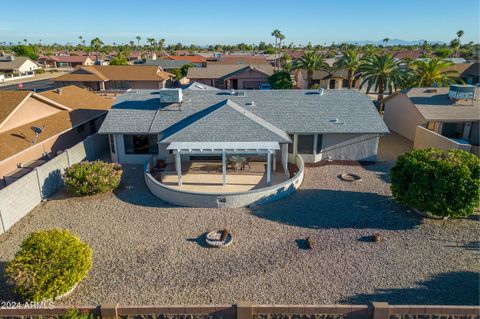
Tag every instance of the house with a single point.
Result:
(436, 117)
(409, 54)
(14, 67)
(468, 72)
(195, 60)
(115, 77)
(317, 125)
(65, 61)
(237, 77)
(241, 59)
(166, 65)
(326, 80)
(36, 126)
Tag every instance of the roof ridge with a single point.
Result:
(257, 119)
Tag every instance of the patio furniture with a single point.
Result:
(239, 162)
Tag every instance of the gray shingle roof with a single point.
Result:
(222, 71)
(167, 64)
(293, 111)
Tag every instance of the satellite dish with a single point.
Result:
(37, 130)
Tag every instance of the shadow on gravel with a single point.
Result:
(451, 288)
(200, 240)
(315, 208)
(6, 293)
(134, 191)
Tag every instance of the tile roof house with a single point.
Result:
(65, 116)
(65, 61)
(337, 79)
(15, 66)
(236, 76)
(115, 77)
(166, 65)
(195, 60)
(436, 117)
(240, 59)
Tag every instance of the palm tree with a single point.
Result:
(350, 61)
(386, 40)
(460, 34)
(381, 72)
(152, 43)
(138, 40)
(281, 37)
(81, 39)
(161, 43)
(276, 33)
(311, 61)
(25, 40)
(433, 72)
(96, 44)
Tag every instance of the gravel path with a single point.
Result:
(147, 252)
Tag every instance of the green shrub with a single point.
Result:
(280, 80)
(39, 71)
(87, 178)
(441, 183)
(76, 314)
(48, 264)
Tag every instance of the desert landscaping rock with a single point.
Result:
(148, 252)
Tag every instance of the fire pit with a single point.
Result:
(349, 177)
(219, 238)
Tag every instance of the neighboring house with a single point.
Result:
(326, 80)
(115, 77)
(468, 72)
(408, 54)
(237, 77)
(166, 65)
(195, 60)
(335, 124)
(241, 59)
(436, 117)
(36, 126)
(13, 67)
(64, 61)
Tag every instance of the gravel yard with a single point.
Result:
(147, 252)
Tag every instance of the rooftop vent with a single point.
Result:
(251, 103)
(171, 95)
(336, 121)
(241, 93)
(201, 87)
(431, 91)
(58, 91)
(461, 92)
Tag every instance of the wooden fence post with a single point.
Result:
(244, 310)
(109, 311)
(381, 310)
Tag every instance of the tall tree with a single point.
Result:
(138, 40)
(311, 61)
(381, 72)
(456, 43)
(276, 34)
(161, 43)
(151, 42)
(96, 45)
(386, 40)
(434, 72)
(350, 61)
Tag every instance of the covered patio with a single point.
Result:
(241, 166)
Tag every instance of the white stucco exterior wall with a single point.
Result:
(402, 117)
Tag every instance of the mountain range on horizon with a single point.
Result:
(393, 42)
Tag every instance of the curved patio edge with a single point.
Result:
(224, 200)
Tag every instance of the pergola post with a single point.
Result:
(274, 163)
(224, 167)
(285, 158)
(178, 165)
(269, 168)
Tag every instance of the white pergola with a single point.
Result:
(223, 148)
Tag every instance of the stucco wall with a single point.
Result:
(425, 138)
(402, 117)
(354, 147)
(226, 200)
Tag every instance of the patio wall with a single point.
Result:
(376, 310)
(20, 196)
(228, 200)
(425, 138)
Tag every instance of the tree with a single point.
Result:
(386, 40)
(350, 61)
(434, 72)
(381, 72)
(443, 52)
(161, 43)
(25, 50)
(120, 59)
(277, 34)
(96, 44)
(311, 61)
(280, 80)
(138, 40)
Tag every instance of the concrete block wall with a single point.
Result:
(20, 197)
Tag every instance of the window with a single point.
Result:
(111, 139)
(140, 144)
(305, 144)
(331, 85)
(290, 146)
(319, 143)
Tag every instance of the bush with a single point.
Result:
(39, 71)
(49, 264)
(76, 314)
(437, 182)
(280, 80)
(88, 178)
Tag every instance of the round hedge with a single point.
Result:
(49, 264)
(88, 178)
(441, 183)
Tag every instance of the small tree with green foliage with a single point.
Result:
(26, 50)
(49, 263)
(88, 178)
(441, 183)
(280, 80)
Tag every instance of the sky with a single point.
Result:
(204, 22)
